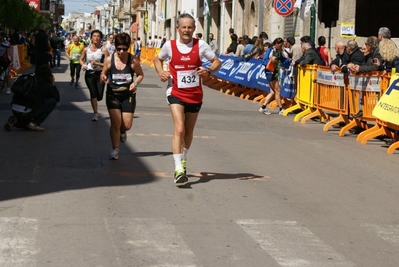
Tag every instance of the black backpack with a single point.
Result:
(25, 86)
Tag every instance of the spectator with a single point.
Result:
(296, 51)
(234, 43)
(257, 51)
(5, 60)
(307, 39)
(324, 51)
(32, 112)
(265, 38)
(155, 41)
(355, 55)
(229, 52)
(198, 35)
(15, 37)
(212, 43)
(287, 47)
(384, 33)
(240, 48)
(56, 44)
(390, 55)
(42, 47)
(149, 42)
(287, 74)
(231, 32)
(310, 56)
(247, 46)
(138, 49)
(160, 41)
(370, 53)
(341, 58)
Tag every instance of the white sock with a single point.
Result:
(178, 158)
(185, 151)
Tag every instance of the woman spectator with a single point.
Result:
(121, 68)
(257, 51)
(371, 53)
(275, 55)
(390, 55)
(92, 62)
(324, 51)
(240, 48)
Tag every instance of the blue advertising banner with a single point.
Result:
(247, 73)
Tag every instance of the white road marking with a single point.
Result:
(18, 242)
(389, 233)
(292, 245)
(150, 242)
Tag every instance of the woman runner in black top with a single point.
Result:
(118, 72)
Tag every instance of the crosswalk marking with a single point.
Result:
(18, 241)
(150, 242)
(292, 245)
(389, 233)
(156, 242)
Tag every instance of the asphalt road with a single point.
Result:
(263, 190)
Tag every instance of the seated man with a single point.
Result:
(31, 112)
(341, 58)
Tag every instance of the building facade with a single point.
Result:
(334, 19)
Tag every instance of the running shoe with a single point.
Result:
(114, 155)
(123, 137)
(10, 123)
(8, 91)
(180, 177)
(76, 86)
(71, 83)
(95, 117)
(183, 164)
(33, 126)
(265, 111)
(281, 112)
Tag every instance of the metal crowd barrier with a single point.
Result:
(364, 89)
(306, 79)
(329, 96)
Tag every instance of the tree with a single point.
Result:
(17, 14)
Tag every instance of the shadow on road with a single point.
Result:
(205, 177)
(71, 154)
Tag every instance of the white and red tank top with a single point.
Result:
(186, 84)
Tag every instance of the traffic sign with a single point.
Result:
(284, 7)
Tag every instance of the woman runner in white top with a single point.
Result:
(92, 62)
